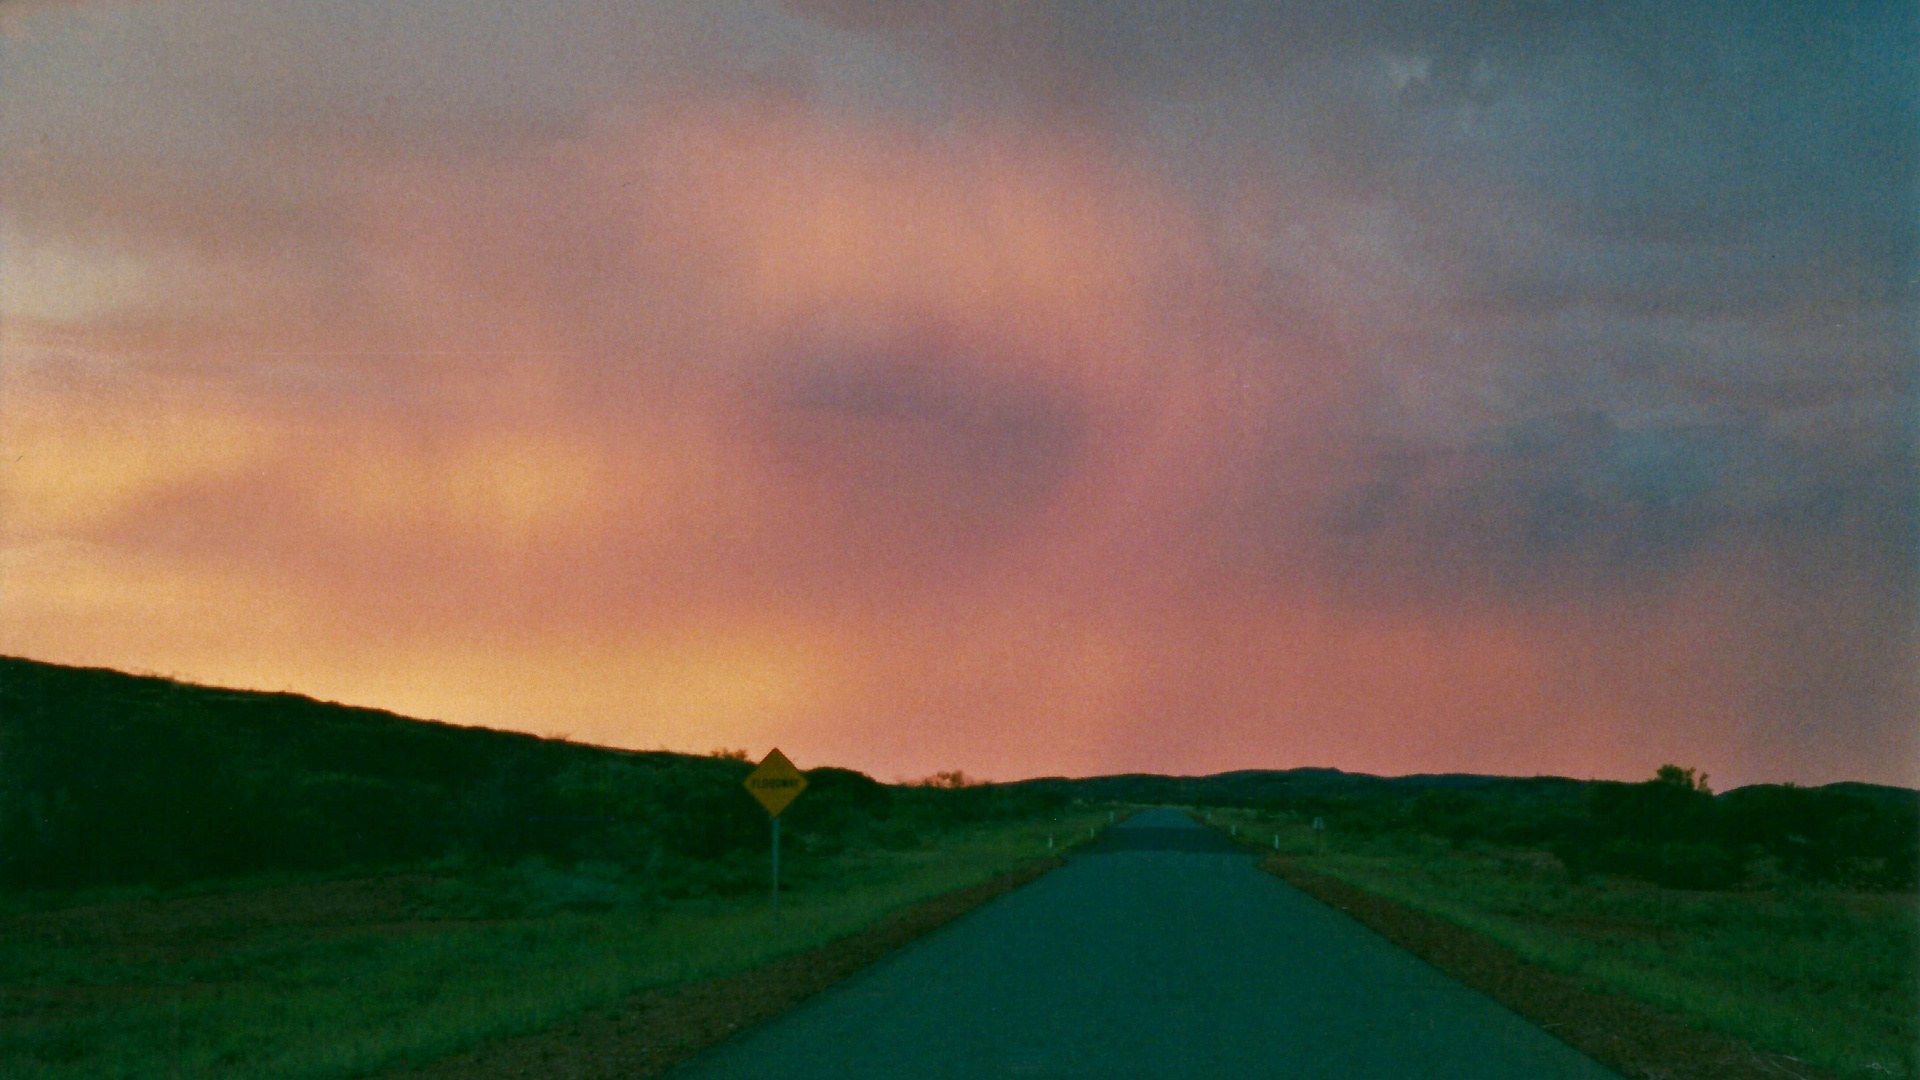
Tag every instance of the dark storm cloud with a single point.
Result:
(1396, 385)
(1683, 158)
(902, 433)
(1575, 486)
(1669, 249)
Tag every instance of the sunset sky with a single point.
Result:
(1055, 387)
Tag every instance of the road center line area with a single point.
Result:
(1159, 952)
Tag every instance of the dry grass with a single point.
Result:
(1825, 975)
(345, 978)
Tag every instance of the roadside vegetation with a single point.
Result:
(206, 883)
(199, 882)
(1783, 917)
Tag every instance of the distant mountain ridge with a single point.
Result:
(1255, 786)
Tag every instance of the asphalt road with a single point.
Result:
(1161, 953)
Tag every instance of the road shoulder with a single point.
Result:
(1634, 1039)
(651, 1032)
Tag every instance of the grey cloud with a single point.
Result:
(1572, 496)
(1698, 147)
(910, 433)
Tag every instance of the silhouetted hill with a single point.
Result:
(113, 778)
(108, 778)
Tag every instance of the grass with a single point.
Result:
(1820, 973)
(353, 978)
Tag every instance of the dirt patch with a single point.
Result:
(328, 903)
(178, 929)
(652, 1032)
(1633, 1039)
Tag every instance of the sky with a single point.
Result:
(1034, 388)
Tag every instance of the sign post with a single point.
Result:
(776, 783)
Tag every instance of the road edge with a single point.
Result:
(653, 1031)
(1632, 1038)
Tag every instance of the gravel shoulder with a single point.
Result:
(652, 1032)
(1633, 1039)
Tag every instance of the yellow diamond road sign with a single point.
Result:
(776, 783)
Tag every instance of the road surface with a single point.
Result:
(1161, 953)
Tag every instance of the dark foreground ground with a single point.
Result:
(1161, 953)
